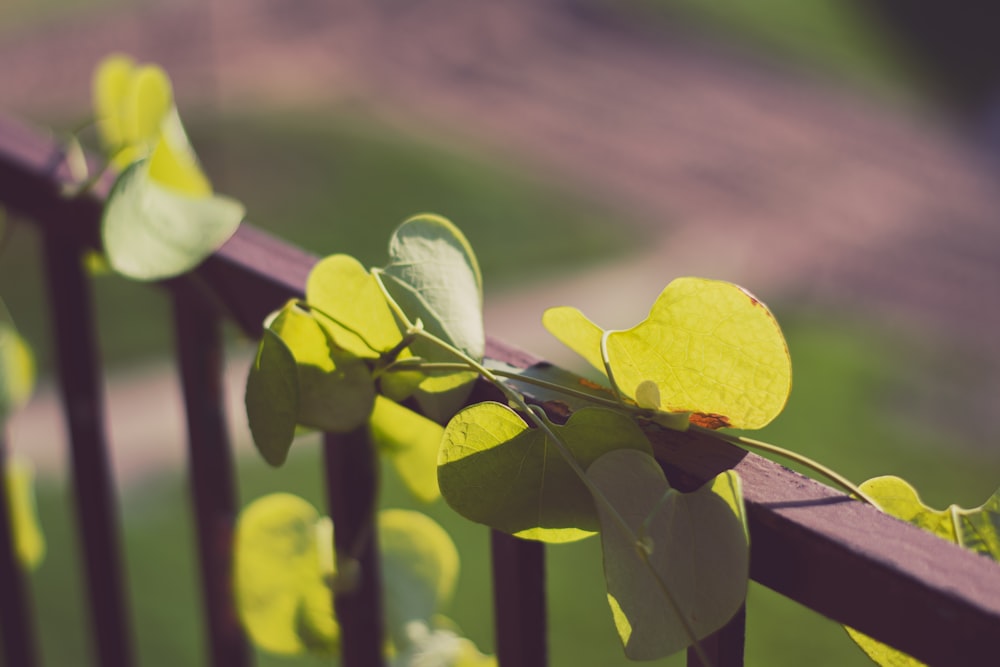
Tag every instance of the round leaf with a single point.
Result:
(342, 288)
(281, 593)
(412, 443)
(697, 553)
(419, 567)
(494, 470)
(152, 232)
(272, 398)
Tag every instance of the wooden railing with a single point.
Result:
(809, 543)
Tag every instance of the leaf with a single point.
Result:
(272, 398)
(419, 567)
(152, 232)
(434, 277)
(439, 647)
(342, 288)
(281, 574)
(494, 470)
(708, 347)
(977, 529)
(412, 443)
(29, 542)
(336, 390)
(698, 552)
(17, 371)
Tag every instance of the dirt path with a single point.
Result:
(738, 170)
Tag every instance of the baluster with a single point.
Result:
(519, 601)
(210, 466)
(83, 402)
(16, 624)
(723, 648)
(351, 470)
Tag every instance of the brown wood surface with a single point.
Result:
(809, 542)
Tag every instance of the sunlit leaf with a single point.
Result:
(342, 288)
(708, 347)
(412, 443)
(272, 398)
(977, 529)
(434, 276)
(29, 542)
(151, 232)
(281, 574)
(336, 390)
(111, 81)
(419, 568)
(17, 371)
(494, 470)
(173, 163)
(696, 546)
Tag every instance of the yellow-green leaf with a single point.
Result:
(686, 551)
(493, 469)
(412, 442)
(281, 574)
(708, 347)
(29, 542)
(17, 371)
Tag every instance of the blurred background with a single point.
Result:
(838, 159)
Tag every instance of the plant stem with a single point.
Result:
(815, 466)
(542, 423)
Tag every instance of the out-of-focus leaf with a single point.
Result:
(152, 232)
(439, 647)
(696, 550)
(708, 347)
(281, 574)
(493, 469)
(17, 371)
(29, 542)
(412, 443)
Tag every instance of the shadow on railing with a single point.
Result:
(810, 543)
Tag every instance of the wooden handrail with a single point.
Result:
(812, 544)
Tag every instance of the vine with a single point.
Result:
(397, 350)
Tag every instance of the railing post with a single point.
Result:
(213, 489)
(18, 632)
(519, 601)
(351, 469)
(723, 648)
(83, 402)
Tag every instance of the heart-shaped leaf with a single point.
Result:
(341, 288)
(151, 231)
(282, 570)
(696, 554)
(434, 276)
(494, 470)
(29, 542)
(336, 390)
(272, 398)
(419, 568)
(977, 529)
(708, 347)
(412, 442)
(17, 371)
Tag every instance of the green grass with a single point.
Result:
(844, 412)
(335, 183)
(842, 40)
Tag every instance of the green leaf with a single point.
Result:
(412, 443)
(272, 398)
(419, 568)
(281, 574)
(434, 276)
(494, 470)
(708, 347)
(29, 542)
(17, 371)
(697, 552)
(152, 232)
(342, 288)
(336, 390)
(977, 529)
